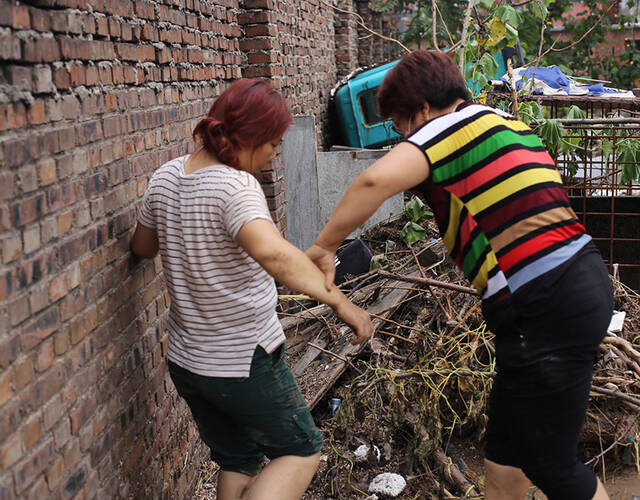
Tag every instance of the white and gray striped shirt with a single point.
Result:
(222, 301)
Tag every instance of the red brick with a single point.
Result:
(44, 361)
(82, 413)
(76, 481)
(55, 473)
(9, 350)
(16, 116)
(18, 309)
(61, 78)
(92, 76)
(65, 220)
(77, 75)
(40, 328)
(20, 77)
(42, 80)
(40, 50)
(40, 19)
(27, 470)
(24, 372)
(15, 16)
(11, 248)
(6, 389)
(31, 432)
(11, 451)
(47, 170)
(83, 325)
(36, 113)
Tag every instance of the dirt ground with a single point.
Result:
(621, 485)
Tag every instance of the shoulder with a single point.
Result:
(169, 171)
(239, 180)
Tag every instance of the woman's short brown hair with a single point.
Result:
(421, 76)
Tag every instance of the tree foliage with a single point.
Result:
(496, 24)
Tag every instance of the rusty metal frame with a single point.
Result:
(599, 177)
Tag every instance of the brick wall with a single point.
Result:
(346, 37)
(95, 95)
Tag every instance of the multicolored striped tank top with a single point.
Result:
(498, 199)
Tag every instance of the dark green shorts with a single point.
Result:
(242, 420)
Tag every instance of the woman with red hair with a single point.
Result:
(506, 220)
(207, 216)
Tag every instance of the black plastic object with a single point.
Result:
(353, 260)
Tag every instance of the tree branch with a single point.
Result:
(463, 38)
(361, 22)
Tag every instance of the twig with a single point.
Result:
(428, 281)
(319, 318)
(395, 336)
(512, 84)
(451, 42)
(424, 277)
(361, 22)
(617, 394)
(433, 24)
(596, 23)
(337, 356)
(387, 320)
(466, 316)
(465, 29)
(622, 436)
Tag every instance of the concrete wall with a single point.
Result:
(336, 170)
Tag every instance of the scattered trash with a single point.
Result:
(353, 260)
(360, 453)
(388, 483)
(617, 322)
(335, 404)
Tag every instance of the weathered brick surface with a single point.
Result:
(98, 94)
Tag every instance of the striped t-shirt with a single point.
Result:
(222, 301)
(498, 199)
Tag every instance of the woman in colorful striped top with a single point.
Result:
(506, 220)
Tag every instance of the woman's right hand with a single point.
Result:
(326, 262)
(357, 318)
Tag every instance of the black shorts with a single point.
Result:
(546, 345)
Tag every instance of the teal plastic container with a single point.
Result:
(359, 123)
(357, 111)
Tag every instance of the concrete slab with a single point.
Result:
(301, 182)
(315, 182)
(336, 171)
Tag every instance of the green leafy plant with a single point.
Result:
(628, 155)
(412, 233)
(416, 211)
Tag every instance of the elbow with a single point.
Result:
(369, 179)
(143, 252)
(372, 184)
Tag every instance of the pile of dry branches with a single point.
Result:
(418, 391)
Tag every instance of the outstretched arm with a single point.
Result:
(402, 168)
(291, 267)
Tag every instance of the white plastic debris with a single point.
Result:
(387, 483)
(361, 452)
(617, 322)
